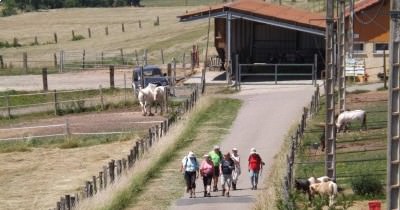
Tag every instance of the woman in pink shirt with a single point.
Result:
(207, 171)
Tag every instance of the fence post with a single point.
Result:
(137, 58)
(145, 57)
(61, 69)
(119, 167)
(112, 85)
(1, 62)
(55, 102)
(25, 61)
(140, 24)
(101, 97)
(111, 168)
(125, 90)
(7, 97)
(89, 33)
(68, 202)
(83, 59)
(137, 150)
(106, 29)
(36, 41)
(67, 130)
(55, 59)
(100, 180)
(124, 164)
(123, 27)
(122, 56)
(174, 77)
(184, 61)
(73, 34)
(105, 177)
(94, 184)
(102, 59)
(162, 55)
(44, 79)
(55, 37)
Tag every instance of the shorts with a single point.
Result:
(190, 178)
(226, 179)
(216, 171)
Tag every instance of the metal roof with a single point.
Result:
(259, 11)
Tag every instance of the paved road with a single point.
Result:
(267, 114)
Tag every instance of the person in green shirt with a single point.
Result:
(216, 157)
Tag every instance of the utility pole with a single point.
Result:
(393, 141)
(330, 131)
(351, 29)
(341, 56)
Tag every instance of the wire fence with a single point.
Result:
(115, 169)
(80, 60)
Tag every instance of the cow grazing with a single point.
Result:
(304, 184)
(159, 95)
(329, 189)
(345, 118)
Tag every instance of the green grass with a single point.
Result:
(374, 140)
(62, 142)
(221, 112)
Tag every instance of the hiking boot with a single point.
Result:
(255, 187)
(208, 194)
(205, 194)
(223, 192)
(227, 194)
(215, 189)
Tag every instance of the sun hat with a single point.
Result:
(191, 154)
(206, 156)
(253, 150)
(234, 149)
(216, 147)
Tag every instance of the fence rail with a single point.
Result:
(110, 173)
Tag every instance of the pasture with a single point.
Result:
(173, 37)
(358, 153)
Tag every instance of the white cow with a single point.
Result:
(159, 95)
(146, 98)
(344, 119)
(328, 188)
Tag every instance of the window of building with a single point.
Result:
(358, 47)
(380, 47)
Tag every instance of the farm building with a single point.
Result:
(371, 34)
(260, 32)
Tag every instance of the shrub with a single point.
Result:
(78, 37)
(366, 185)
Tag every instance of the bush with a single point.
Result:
(366, 185)
(78, 37)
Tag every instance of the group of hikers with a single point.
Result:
(216, 165)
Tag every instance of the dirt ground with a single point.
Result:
(84, 123)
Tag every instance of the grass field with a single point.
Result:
(358, 153)
(174, 37)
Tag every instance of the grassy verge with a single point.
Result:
(63, 143)
(219, 113)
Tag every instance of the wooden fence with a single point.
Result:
(110, 173)
(294, 144)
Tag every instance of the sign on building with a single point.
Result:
(355, 67)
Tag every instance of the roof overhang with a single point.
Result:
(261, 12)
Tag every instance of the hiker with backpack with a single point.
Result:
(207, 172)
(255, 167)
(236, 172)
(226, 167)
(216, 157)
(190, 169)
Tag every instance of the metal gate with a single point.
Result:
(275, 74)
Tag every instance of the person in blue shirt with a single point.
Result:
(190, 169)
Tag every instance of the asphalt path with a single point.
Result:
(263, 121)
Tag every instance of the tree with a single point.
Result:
(9, 8)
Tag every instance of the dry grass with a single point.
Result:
(171, 35)
(36, 179)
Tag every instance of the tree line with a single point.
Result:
(11, 7)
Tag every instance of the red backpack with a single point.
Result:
(254, 161)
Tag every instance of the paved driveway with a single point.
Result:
(267, 114)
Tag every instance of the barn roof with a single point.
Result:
(362, 5)
(259, 11)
